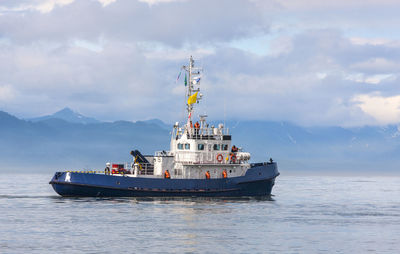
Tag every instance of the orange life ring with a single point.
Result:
(233, 158)
(220, 157)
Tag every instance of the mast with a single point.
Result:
(194, 74)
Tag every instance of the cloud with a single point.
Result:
(266, 60)
(338, 4)
(106, 2)
(153, 2)
(309, 84)
(7, 93)
(43, 6)
(386, 110)
(174, 24)
(377, 65)
(125, 81)
(371, 79)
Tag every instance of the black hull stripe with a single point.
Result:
(146, 189)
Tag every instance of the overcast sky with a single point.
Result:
(311, 62)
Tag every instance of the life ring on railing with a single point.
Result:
(233, 157)
(220, 157)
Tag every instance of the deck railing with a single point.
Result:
(190, 157)
(145, 169)
(204, 133)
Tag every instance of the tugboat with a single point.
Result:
(201, 162)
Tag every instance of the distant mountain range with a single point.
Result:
(369, 148)
(61, 142)
(69, 140)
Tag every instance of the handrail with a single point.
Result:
(190, 157)
(163, 153)
(206, 133)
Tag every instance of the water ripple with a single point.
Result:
(307, 215)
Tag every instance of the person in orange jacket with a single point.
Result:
(224, 174)
(167, 175)
(208, 174)
(196, 128)
(234, 149)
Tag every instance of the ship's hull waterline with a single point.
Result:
(258, 181)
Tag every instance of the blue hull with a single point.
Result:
(258, 181)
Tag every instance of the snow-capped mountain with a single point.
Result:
(67, 115)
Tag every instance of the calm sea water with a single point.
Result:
(313, 214)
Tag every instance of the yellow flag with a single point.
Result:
(192, 99)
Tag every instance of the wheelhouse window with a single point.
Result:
(180, 146)
(217, 147)
(200, 147)
(187, 146)
(225, 147)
